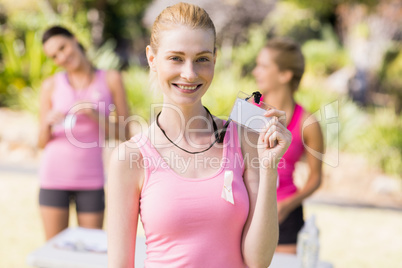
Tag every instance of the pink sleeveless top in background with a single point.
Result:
(72, 159)
(286, 166)
(186, 221)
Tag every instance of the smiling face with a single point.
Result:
(64, 51)
(184, 63)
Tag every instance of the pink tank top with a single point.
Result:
(186, 221)
(72, 159)
(286, 166)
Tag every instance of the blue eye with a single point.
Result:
(203, 59)
(175, 58)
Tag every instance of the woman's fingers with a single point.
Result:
(274, 133)
(280, 115)
(271, 129)
(273, 139)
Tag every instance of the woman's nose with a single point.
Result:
(60, 59)
(189, 71)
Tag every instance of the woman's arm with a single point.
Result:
(47, 117)
(260, 234)
(124, 187)
(116, 86)
(313, 141)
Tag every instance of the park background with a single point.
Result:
(352, 83)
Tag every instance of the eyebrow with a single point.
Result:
(182, 53)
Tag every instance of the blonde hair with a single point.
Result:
(288, 56)
(180, 14)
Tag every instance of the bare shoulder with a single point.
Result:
(311, 130)
(114, 81)
(113, 76)
(308, 116)
(126, 164)
(48, 85)
(310, 125)
(126, 153)
(46, 90)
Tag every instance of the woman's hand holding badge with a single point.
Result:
(274, 140)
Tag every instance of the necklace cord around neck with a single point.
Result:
(218, 136)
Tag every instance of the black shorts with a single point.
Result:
(290, 227)
(85, 200)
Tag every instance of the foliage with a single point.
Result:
(227, 83)
(325, 56)
(245, 54)
(332, 108)
(22, 69)
(139, 94)
(121, 20)
(104, 57)
(391, 76)
(25, 66)
(377, 135)
(325, 8)
(381, 140)
(288, 19)
(395, 71)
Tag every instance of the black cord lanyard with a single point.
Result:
(218, 136)
(257, 97)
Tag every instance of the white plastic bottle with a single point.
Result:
(308, 244)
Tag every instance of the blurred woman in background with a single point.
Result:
(74, 121)
(279, 69)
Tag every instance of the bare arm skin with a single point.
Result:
(47, 117)
(115, 83)
(125, 181)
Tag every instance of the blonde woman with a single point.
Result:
(201, 203)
